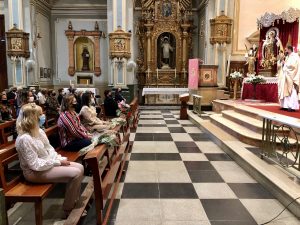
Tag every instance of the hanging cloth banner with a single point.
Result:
(193, 74)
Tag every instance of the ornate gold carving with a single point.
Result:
(119, 44)
(17, 43)
(221, 30)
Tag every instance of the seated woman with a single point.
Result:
(5, 111)
(73, 135)
(89, 117)
(52, 105)
(118, 96)
(40, 162)
(110, 105)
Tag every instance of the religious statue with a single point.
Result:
(167, 9)
(270, 48)
(251, 59)
(85, 59)
(166, 49)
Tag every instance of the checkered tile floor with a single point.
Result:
(177, 176)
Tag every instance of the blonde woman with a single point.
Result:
(40, 162)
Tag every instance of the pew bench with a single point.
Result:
(3, 131)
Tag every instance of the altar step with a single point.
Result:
(238, 125)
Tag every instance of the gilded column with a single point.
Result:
(97, 56)
(184, 45)
(148, 34)
(71, 69)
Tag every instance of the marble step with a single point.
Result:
(244, 120)
(239, 131)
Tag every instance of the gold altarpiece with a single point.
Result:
(165, 27)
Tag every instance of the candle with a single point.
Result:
(70, 82)
(157, 74)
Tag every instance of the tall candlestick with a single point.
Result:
(157, 74)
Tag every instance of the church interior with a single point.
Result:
(149, 112)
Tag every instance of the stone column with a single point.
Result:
(97, 56)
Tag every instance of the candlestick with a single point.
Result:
(70, 82)
(157, 74)
(87, 82)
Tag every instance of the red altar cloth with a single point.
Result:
(267, 92)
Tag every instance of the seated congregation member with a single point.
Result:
(73, 135)
(110, 105)
(42, 95)
(118, 96)
(89, 117)
(6, 113)
(40, 162)
(60, 95)
(52, 104)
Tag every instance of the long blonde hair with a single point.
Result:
(29, 120)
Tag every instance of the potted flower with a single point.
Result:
(254, 80)
(235, 76)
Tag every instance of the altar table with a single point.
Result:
(170, 91)
(267, 91)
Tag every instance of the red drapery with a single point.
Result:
(267, 92)
(288, 33)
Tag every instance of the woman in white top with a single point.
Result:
(89, 117)
(40, 162)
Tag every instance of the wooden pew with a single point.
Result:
(106, 174)
(134, 107)
(3, 133)
(3, 217)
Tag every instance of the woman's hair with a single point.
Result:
(86, 99)
(29, 118)
(67, 102)
(106, 92)
(24, 97)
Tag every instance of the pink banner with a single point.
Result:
(193, 74)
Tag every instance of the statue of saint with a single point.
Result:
(85, 59)
(251, 59)
(166, 49)
(270, 48)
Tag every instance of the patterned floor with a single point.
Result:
(177, 176)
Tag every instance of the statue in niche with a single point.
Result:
(85, 59)
(166, 51)
(167, 9)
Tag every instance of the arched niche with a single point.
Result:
(166, 51)
(84, 54)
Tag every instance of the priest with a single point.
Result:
(289, 90)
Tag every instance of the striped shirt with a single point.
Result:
(70, 128)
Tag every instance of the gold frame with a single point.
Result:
(17, 43)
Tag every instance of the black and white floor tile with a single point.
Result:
(176, 175)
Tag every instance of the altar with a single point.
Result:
(165, 95)
(267, 91)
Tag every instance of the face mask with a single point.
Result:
(31, 99)
(4, 102)
(42, 120)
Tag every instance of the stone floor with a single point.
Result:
(176, 175)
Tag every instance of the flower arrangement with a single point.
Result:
(252, 79)
(236, 75)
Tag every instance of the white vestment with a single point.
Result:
(290, 76)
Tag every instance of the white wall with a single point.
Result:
(44, 44)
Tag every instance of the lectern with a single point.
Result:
(184, 98)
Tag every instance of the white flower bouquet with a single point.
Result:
(236, 75)
(252, 79)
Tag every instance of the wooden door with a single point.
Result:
(3, 66)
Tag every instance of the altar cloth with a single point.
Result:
(170, 91)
